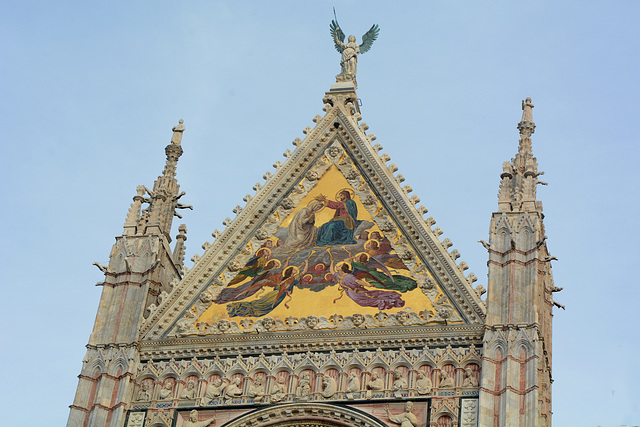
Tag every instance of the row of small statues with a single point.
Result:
(231, 389)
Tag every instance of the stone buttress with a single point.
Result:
(516, 368)
(141, 272)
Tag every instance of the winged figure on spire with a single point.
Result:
(351, 49)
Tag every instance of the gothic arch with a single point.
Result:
(306, 414)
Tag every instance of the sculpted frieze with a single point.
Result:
(311, 376)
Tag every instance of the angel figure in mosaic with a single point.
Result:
(358, 290)
(269, 275)
(254, 266)
(282, 285)
(373, 270)
(351, 49)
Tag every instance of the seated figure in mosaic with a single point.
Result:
(339, 230)
(302, 230)
(424, 384)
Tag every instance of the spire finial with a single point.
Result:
(519, 177)
(176, 139)
(526, 125)
(527, 113)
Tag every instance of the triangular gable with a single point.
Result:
(272, 270)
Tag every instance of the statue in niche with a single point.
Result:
(233, 389)
(304, 387)
(424, 384)
(351, 49)
(405, 419)
(257, 390)
(215, 390)
(143, 394)
(469, 379)
(166, 392)
(330, 387)
(445, 380)
(279, 391)
(399, 383)
(353, 386)
(193, 420)
(189, 392)
(374, 384)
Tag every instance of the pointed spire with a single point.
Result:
(133, 217)
(179, 249)
(519, 177)
(166, 191)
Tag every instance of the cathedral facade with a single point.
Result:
(330, 299)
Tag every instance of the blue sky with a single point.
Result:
(91, 90)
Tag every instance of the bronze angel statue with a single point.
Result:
(351, 49)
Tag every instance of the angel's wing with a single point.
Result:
(335, 30)
(369, 37)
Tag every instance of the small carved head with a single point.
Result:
(268, 323)
(334, 151)
(352, 39)
(288, 204)
(402, 317)
(357, 319)
(261, 235)
(206, 298)
(312, 175)
(224, 325)
(312, 321)
(234, 265)
(352, 174)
